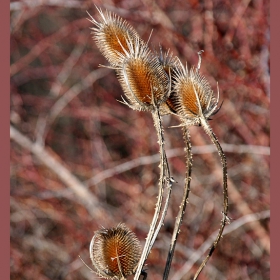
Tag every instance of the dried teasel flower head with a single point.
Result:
(111, 33)
(143, 78)
(115, 252)
(170, 64)
(193, 97)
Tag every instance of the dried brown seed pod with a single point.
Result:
(115, 252)
(143, 78)
(170, 64)
(193, 97)
(111, 35)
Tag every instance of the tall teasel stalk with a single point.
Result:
(147, 86)
(182, 208)
(194, 102)
(170, 65)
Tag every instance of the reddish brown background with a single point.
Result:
(52, 54)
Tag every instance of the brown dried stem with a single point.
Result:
(179, 218)
(164, 177)
(225, 219)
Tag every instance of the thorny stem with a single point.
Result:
(169, 181)
(184, 202)
(225, 218)
(163, 167)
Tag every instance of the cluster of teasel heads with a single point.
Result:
(160, 84)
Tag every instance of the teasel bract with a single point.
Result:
(115, 252)
(194, 102)
(111, 34)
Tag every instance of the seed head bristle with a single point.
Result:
(115, 252)
(143, 78)
(167, 60)
(111, 34)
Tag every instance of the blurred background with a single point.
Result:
(81, 160)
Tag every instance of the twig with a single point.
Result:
(19, 5)
(44, 44)
(71, 181)
(62, 102)
(205, 246)
(145, 160)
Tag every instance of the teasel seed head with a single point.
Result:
(111, 34)
(193, 97)
(115, 252)
(170, 64)
(143, 78)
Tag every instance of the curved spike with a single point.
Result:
(218, 96)
(217, 110)
(92, 20)
(90, 269)
(150, 36)
(102, 273)
(199, 59)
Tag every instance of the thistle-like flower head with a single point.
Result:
(193, 97)
(170, 63)
(111, 34)
(143, 78)
(115, 252)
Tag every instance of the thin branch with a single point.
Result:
(205, 246)
(19, 5)
(44, 44)
(71, 181)
(145, 160)
(63, 101)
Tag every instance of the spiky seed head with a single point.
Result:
(143, 79)
(193, 97)
(115, 252)
(111, 33)
(170, 65)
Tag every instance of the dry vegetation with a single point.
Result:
(81, 160)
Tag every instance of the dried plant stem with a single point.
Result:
(184, 202)
(169, 181)
(225, 219)
(163, 167)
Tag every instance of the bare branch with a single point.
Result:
(205, 246)
(230, 148)
(19, 5)
(62, 102)
(71, 181)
